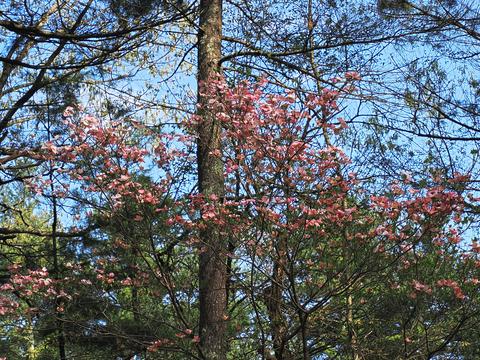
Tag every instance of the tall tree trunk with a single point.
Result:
(352, 336)
(31, 352)
(212, 266)
(56, 275)
(56, 270)
(274, 302)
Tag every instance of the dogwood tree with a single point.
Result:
(315, 267)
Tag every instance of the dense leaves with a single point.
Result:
(339, 211)
(315, 265)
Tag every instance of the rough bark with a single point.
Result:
(212, 265)
(274, 302)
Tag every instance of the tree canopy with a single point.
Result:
(230, 179)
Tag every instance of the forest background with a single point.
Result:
(259, 179)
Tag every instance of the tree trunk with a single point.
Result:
(212, 266)
(31, 352)
(274, 302)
